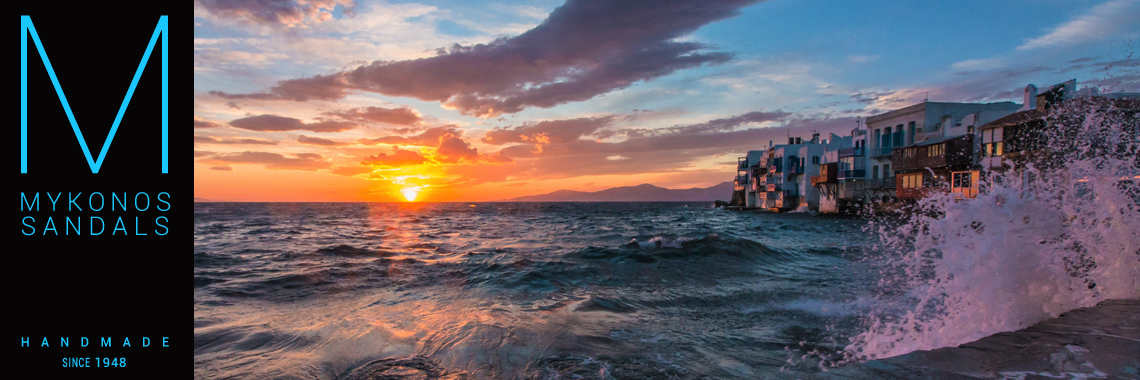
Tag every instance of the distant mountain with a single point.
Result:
(639, 193)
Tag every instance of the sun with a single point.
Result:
(410, 193)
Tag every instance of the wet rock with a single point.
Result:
(1096, 342)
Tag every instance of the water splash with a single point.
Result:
(1058, 234)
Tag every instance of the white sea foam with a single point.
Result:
(1027, 249)
(667, 242)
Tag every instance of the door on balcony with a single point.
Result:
(964, 184)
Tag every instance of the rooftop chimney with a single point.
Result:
(1030, 101)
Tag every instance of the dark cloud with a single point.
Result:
(274, 123)
(201, 153)
(272, 161)
(551, 131)
(319, 141)
(429, 137)
(583, 49)
(237, 141)
(398, 158)
(400, 116)
(274, 12)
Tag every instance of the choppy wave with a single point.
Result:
(513, 290)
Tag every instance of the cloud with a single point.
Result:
(222, 168)
(551, 131)
(717, 125)
(350, 171)
(729, 123)
(862, 58)
(399, 116)
(237, 141)
(203, 123)
(273, 123)
(583, 49)
(978, 64)
(1107, 19)
(289, 13)
(272, 161)
(319, 141)
(398, 158)
(429, 137)
(452, 149)
(670, 150)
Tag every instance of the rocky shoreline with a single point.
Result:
(1099, 342)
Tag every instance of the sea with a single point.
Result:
(655, 290)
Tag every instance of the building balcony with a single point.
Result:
(957, 153)
(851, 152)
(771, 187)
(828, 173)
(883, 151)
(851, 174)
(779, 195)
(850, 194)
(742, 163)
(880, 183)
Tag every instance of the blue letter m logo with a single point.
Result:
(26, 25)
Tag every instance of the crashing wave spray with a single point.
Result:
(1060, 232)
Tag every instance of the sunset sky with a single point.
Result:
(336, 100)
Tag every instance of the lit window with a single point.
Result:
(998, 148)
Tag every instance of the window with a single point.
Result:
(815, 160)
(961, 180)
(998, 148)
(911, 181)
(875, 172)
(887, 171)
(886, 137)
(910, 129)
(937, 150)
(986, 149)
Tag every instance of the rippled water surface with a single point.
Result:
(520, 290)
